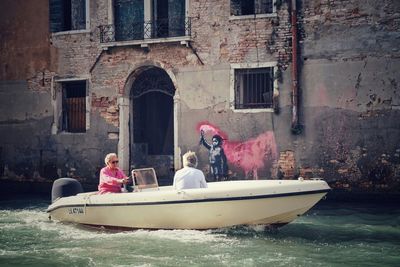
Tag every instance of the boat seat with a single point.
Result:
(145, 179)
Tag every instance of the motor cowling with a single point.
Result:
(65, 187)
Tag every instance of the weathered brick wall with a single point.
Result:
(76, 52)
(220, 39)
(287, 165)
(217, 40)
(348, 82)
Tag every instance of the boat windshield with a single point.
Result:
(145, 178)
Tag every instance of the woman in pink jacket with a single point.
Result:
(111, 177)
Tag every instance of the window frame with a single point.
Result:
(87, 26)
(57, 103)
(252, 66)
(252, 16)
(148, 16)
(65, 112)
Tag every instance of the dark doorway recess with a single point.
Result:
(152, 121)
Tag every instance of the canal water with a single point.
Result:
(331, 234)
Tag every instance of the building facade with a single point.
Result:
(293, 88)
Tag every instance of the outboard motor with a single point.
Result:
(65, 187)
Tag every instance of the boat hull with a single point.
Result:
(190, 209)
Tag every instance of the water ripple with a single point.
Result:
(326, 236)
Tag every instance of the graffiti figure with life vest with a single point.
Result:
(216, 157)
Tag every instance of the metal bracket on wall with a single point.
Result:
(195, 52)
(96, 61)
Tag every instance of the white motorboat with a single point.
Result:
(222, 204)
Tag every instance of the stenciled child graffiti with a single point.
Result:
(216, 156)
(251, 155)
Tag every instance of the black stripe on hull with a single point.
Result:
(174, 202)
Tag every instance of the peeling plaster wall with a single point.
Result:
(350, 102)
(30, 153)
(25, 49)
(349, 98)
(31, 62)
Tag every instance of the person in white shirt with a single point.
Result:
(189, 177)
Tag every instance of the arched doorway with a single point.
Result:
(152, 122)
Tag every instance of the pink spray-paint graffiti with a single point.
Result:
(250, 155)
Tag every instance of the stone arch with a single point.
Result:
(126, 117)
(139, 68)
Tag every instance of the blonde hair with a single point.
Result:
(189, 159)
(109, 156)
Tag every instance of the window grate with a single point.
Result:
(253, 88)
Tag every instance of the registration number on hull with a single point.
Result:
(76, 210)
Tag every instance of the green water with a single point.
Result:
(329, 235)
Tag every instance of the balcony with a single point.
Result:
(146, 32)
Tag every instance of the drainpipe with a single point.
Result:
(295, 87)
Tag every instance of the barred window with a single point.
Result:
(254, 88)
(74, 106)
(250, 7)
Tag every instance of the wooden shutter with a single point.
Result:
(76, 108)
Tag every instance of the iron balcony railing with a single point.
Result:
(153, 29)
